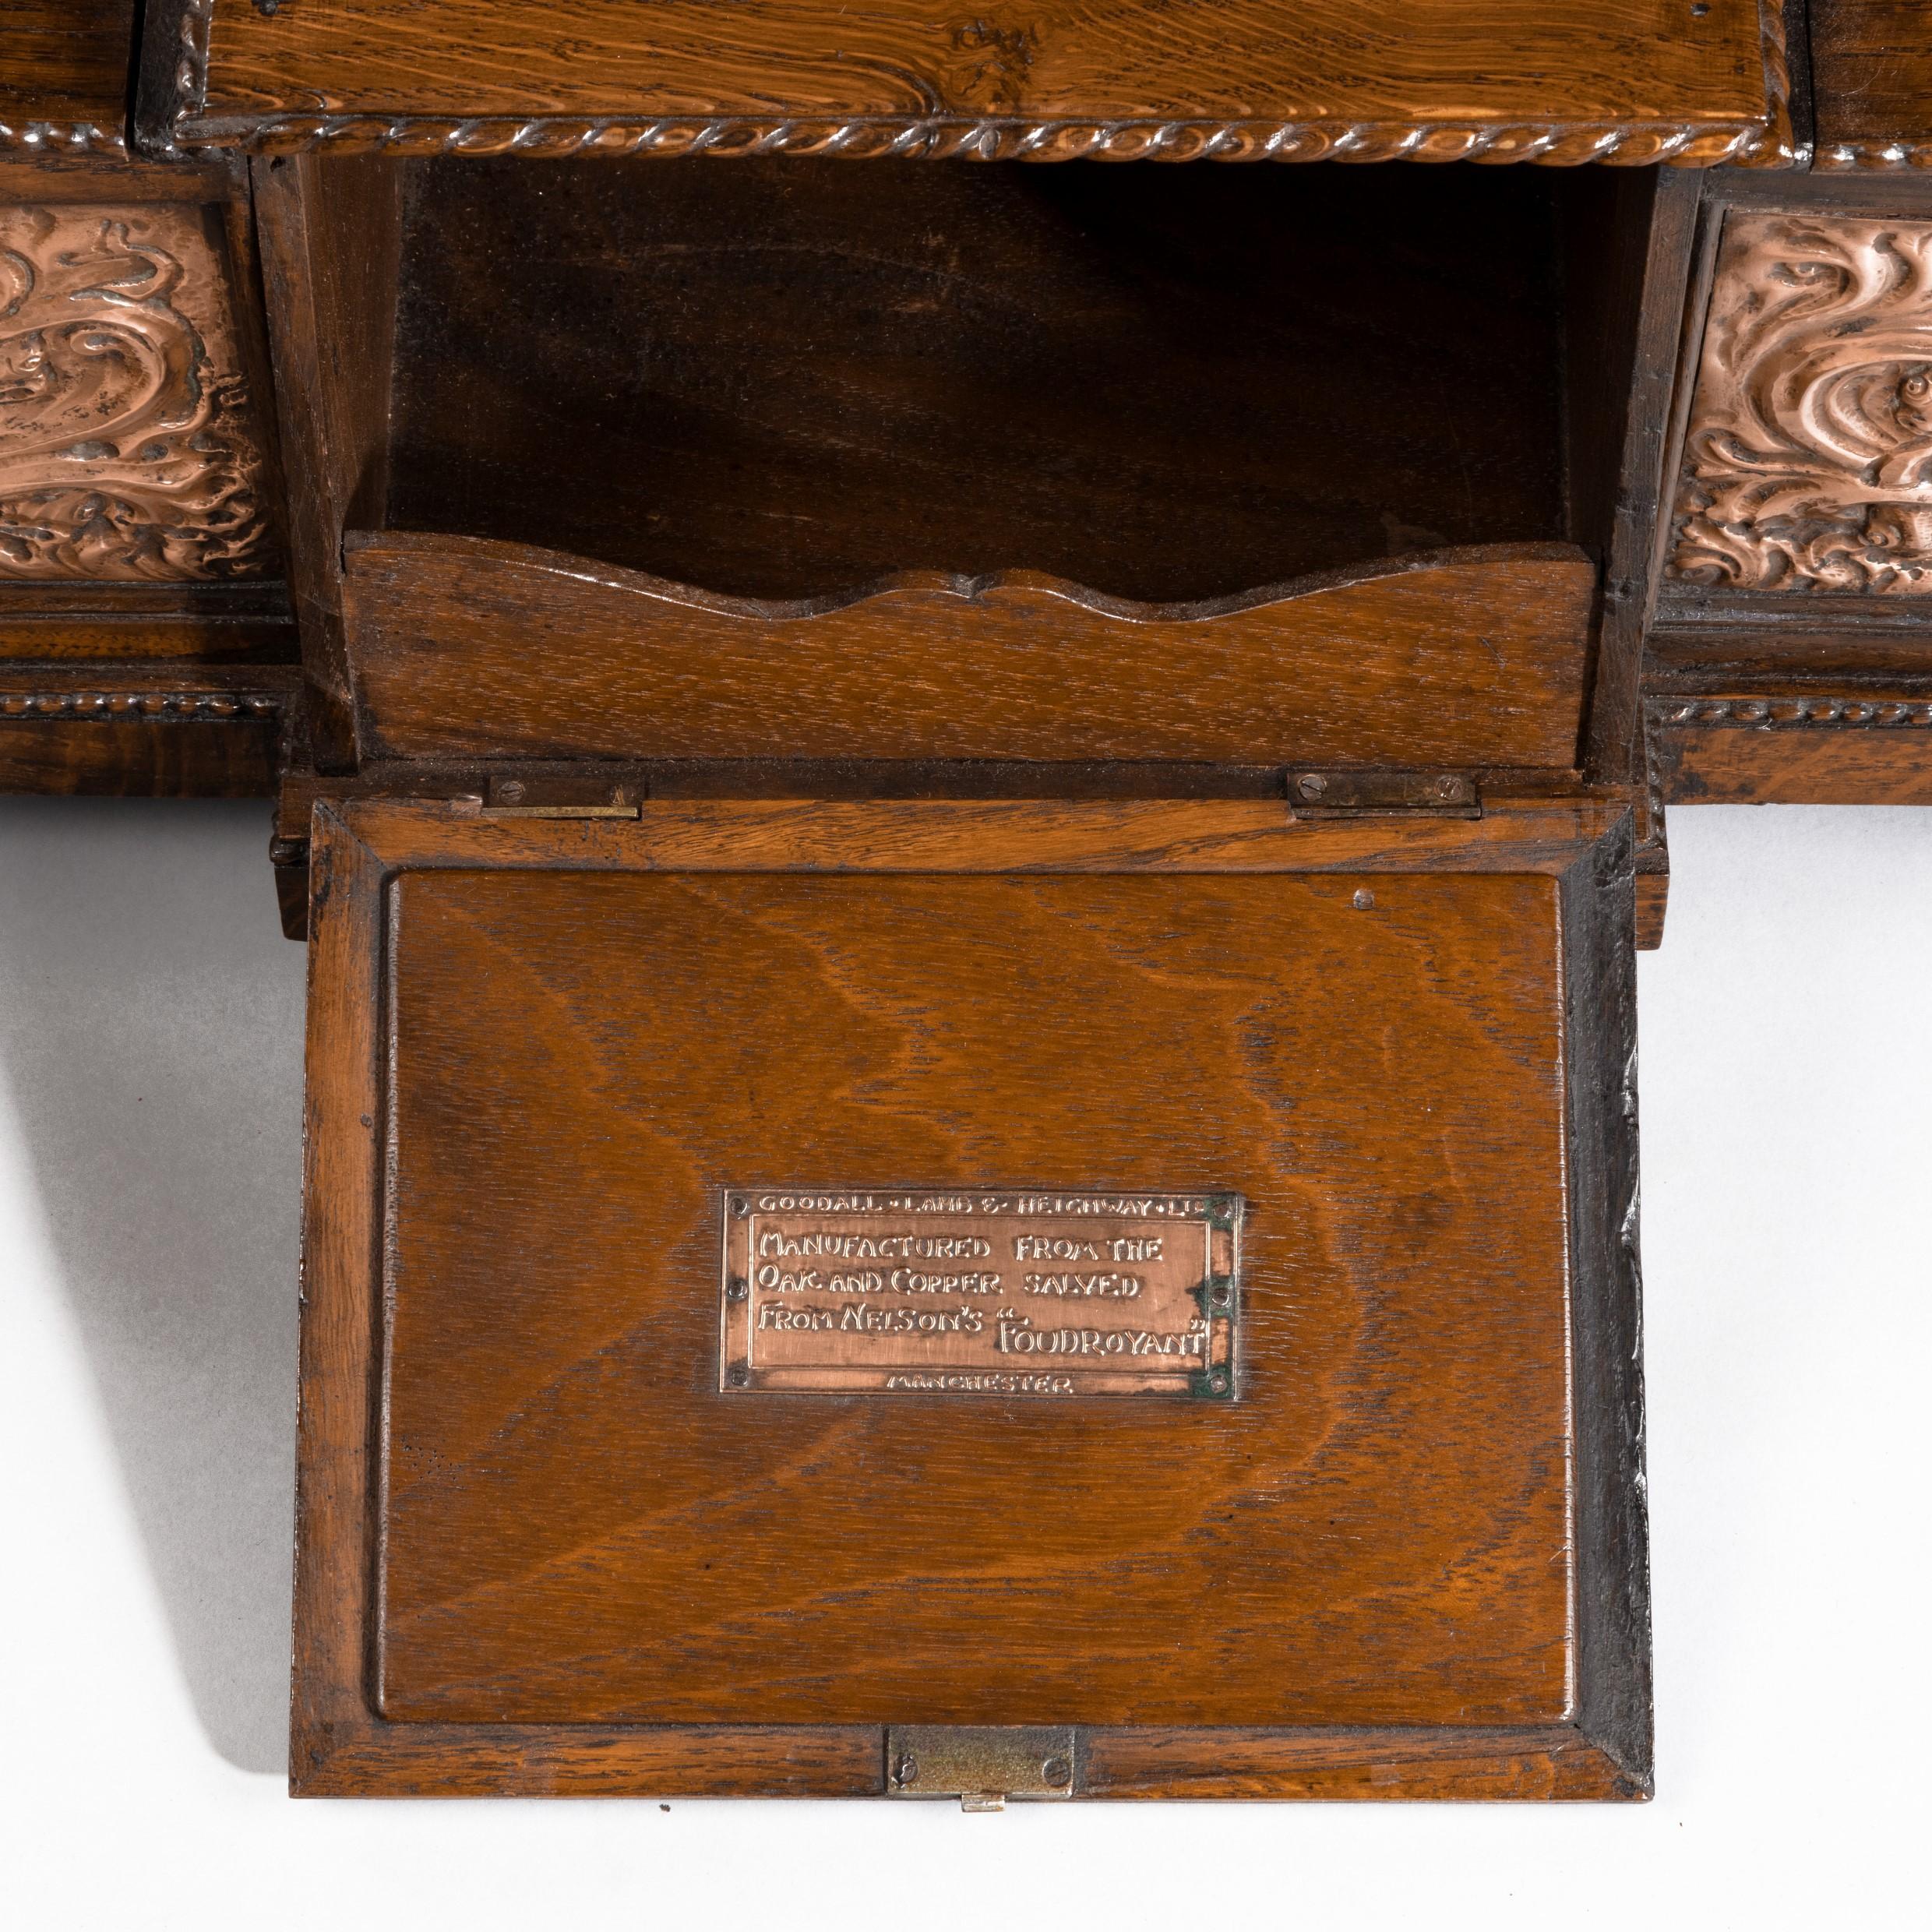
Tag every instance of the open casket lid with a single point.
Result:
(587, 1502)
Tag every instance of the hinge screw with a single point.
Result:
(1312, 785)
(1057, 1772)
(907, 1770)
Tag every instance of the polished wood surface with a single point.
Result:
(563, 1476)
(893, 1003)
(328, 271)
(1864, 743)
(1472, 657)
(1788, 652)
(183, 730)
(1568, 80)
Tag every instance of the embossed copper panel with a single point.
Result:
(1807, 462)
(128, 446)
(919, 1291)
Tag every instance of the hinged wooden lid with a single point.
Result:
(1563, 81)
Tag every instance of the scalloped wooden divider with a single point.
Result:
(466, 647)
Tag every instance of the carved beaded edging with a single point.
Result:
(143, 705)
(63, 137)
(1863, 712)
(1853, 156)
(128, 447)
(985, 138)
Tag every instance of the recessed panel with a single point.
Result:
(578, 1524)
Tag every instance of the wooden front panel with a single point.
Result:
(1374, 71)
(64, 75)
(578, 1526)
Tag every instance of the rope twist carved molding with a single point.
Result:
(174, 126)
(127, 446)
(1807, 464)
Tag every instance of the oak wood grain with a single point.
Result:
(1358, 1339)
(577, 1529)
(1391, 77)
(463, 646)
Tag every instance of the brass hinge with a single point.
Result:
(1336, 795)
(982, 1765)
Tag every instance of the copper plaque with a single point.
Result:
(917, 1292)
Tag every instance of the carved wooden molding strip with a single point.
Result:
(171, 124)
(1848, 157)
(1786, 711)
(1807, 463)
(141, 706)
(63, 137)
(128, 447)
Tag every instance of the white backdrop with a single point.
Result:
(151, 1043)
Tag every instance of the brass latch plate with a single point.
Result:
(982, 1765)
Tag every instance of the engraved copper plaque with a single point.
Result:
(1022, 1291)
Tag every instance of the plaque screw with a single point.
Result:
(1057, 1772)
(1218, 1383)
(736, 1291)
(738, 1207)
(907, 1771)
(1312, 785)
(739, 1376)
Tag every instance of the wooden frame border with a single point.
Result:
(340, 1747)
(171, 121)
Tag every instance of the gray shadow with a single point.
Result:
(151, 1038)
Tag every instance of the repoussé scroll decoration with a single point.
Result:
(1807, 462)
(127, 450)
